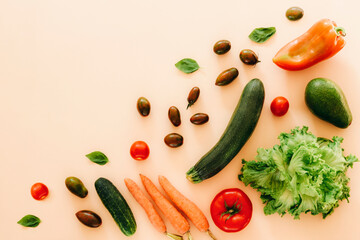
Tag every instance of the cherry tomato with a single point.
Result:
(139, 150)
(39, 191)
(231, 210)
(279, 106)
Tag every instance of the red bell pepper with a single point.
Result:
(322, 41)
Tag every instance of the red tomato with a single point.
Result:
(231, 210)
(139, 150)
(39, 191)
(279, 106)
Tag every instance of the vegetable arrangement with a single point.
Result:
(303, 174)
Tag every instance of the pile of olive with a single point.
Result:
(175, 140)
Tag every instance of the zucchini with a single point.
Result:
(116, 205)
(238, 131)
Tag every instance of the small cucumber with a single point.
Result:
(116, 205)
(238, 131)
(327, 101)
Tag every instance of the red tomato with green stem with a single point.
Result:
(39, 191)
(139, 150)
(279, 106)
(231, 210)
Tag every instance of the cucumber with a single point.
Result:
(238, 131)
(116, 205)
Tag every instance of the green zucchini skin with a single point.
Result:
(238, 131)
(116, 205)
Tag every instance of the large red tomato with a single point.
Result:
(231, 210)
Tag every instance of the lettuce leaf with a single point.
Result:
(303, 174)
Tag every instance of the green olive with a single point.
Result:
(173, 140)
(193, 96)
(76, 186)
(294, 13)
(248, 57)
(89, 218)
(174, 116)
(199, 118)
(222, 47)
(143, 106)
(227, 77)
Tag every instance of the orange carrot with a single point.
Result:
(177, 220)
(149, 208)
(189, 208)
(144, 202)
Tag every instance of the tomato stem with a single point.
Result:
(211, 234)
(234, 209)
(340, 31)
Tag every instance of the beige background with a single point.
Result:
(70, 75)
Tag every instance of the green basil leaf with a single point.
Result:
(29, 221)
(97, 157)
(260, 35)
(187, 65)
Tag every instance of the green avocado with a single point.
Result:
(327, 101)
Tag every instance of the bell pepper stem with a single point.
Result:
(340, 31)
(174, 236)
(211, 234)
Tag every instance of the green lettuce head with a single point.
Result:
(302, 174)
